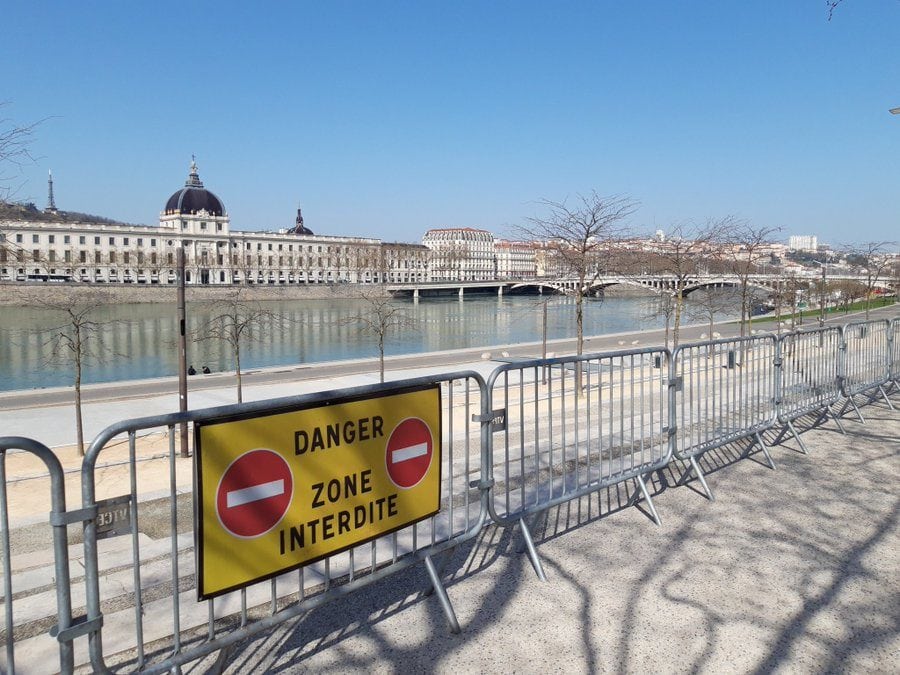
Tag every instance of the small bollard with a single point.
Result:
(732, 358)
(657, 361)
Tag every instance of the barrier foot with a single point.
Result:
(765, 450)
(885, 396)
(836, 420)
(646, 494)
(442, 595)
(696, 467)
(856, 408)
(532, 551)
(797, 436)
(222, 660)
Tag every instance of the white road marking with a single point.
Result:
(254, 493)
(410, 452)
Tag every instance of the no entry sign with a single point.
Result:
(254, 493)
(282, 488)
(408, 452)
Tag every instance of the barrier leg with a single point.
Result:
(696, 469)
(885, 396)
(646, 495)
(790, 425)
(765, 450)
(532, 551)
(856, 408)
(440, 571)
(837, 420)
(442, 595)
(782, 433)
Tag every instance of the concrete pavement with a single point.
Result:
(794, 570)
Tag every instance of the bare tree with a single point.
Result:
(75, 341)
(664, 307)
(747, 246)
(681, 255)
(581, 235)
(236, 322)
(380, 317)
(709, 304)
(15, 140)
(873, 257)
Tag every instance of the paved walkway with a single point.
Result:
(795, 570)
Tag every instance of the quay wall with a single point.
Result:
(28, 294)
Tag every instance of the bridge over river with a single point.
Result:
(658, 283)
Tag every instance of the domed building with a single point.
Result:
(194, 209)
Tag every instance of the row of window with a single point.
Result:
(82, 239)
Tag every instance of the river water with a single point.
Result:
(139, 341)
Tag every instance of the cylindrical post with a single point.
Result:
(182, 352)
(544, 341)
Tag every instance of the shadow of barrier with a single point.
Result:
(535, 435)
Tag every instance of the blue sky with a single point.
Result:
(386, 119)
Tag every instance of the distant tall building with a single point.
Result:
(804, 242)
(51, 203)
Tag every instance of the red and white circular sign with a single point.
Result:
(408, 452)
(254, 493)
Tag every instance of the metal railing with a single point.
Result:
(63, 631)
(567, 427)
(725, 391)
(534, 435)
(894, 340)
(865, 367)
(184, 628)
(807, 367)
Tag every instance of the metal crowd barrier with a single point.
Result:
(865, 368)
(566, 427)
(894, 340)
(161, 583)
(535, 435)
(725, 391)
(63, 631)
(807, 365)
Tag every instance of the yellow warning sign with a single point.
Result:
(281, 489)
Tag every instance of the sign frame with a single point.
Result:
(300, 407)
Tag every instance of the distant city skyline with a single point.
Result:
(390, 120)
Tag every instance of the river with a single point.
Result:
(138, 341)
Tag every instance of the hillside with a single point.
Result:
(29, 212)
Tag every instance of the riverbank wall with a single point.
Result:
(30, 294)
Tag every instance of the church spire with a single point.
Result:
(51, 203)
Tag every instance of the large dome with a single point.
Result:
(193, 197)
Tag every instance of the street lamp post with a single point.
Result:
(824, 266)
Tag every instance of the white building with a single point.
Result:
(805, 242)
(196, 219)
(461, 254)
(515, 259)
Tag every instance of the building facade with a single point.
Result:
(807, 242)
(195, 218)
(461, 254)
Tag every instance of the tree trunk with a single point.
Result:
(679, 299)
(79, 424)
(237, 362)
(381, 358)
